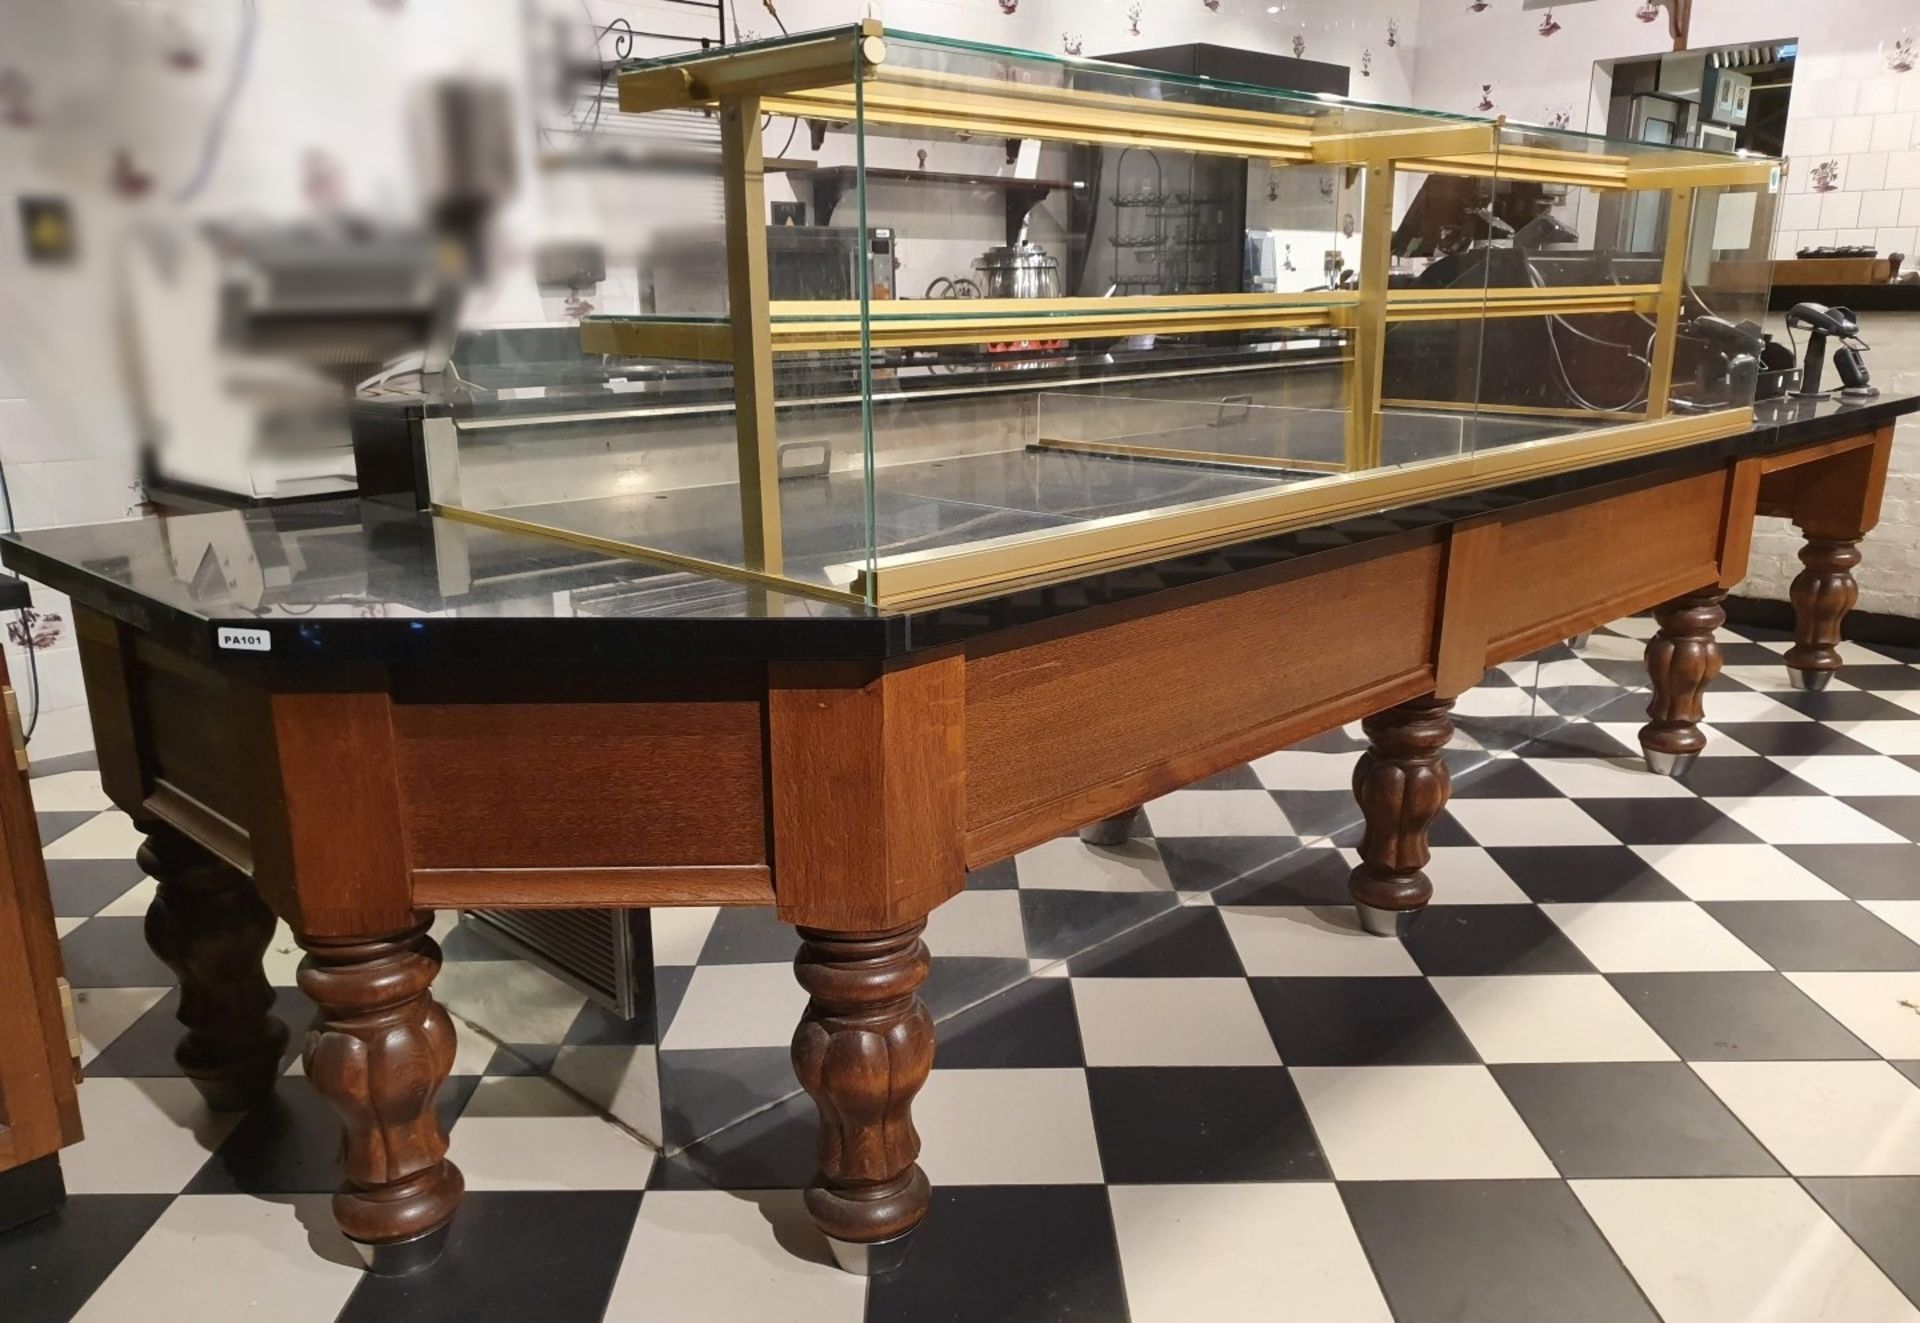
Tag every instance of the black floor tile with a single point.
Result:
(749, 935)
(1911, 1069)
(1446, 830)
(1491, 1252)
(1665, 821)
(1880, 1213)
(1316, 875)
(1804, 935)
(55, 825)
(598, 1025)
(523, 1059)
(1738, 1016)
(545, 1254)
(1063, 923)
(1637, 1118)
(1032, 1026)
(1504, 778)
(1190, 942)
(1491, 939)
(86, 761)
(112, 953)
(770, 1150)
(1883, 677)
(1789, 738)
(1580, 740)
(83, 887)
(1900, 812)
(703, 1089)
(1317, 812)
(1844, 704)
(49, 1266)
(1579, 874)
(1013, 1254)
(1750, 654)
(1577, 700)
(958, 982)
(1360, 1022)
(1864, 872)
(670, 984)
(146, 1046)
(1180, 1125)
(1742, 778)
(1000, 876)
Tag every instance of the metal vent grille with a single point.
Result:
(604, 953)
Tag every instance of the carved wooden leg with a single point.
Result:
(863, 1049)
(211, 928)
(1822, 595)
(1401, 783)
(1112, 831)
(380, 1052)
(1682, 660)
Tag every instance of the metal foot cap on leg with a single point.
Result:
(1661, 763)
(1110, 833)
(398, 1258)
(870, 1258)
(1811, 681)
(1384, 923)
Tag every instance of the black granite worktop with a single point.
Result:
(351, 580)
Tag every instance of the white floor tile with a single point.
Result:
(1219, 1253)
(1501, 822)
(1290, 770)
(1895, 737)
(1908, 698)
(1217, 813)
(1171, 1022)
(510, 999)
(679, 933)
(1464, 875)
(1064, 864)
(1550, 1017)
(230, 1257)
(1007, 1127)
(1902, 914)
(108, 836)
(1607, 778)
(1401, 1123)
(1882, 1009)
(1735, 872)
(281, 962)
(131, 903)
(1744, 705)
(65, 924)
(1854, 774)
(1740, 1251)
(978, 923)
(622, 1081)
(1570, 672)
(1825, 1118)
(527, 1133)
(1635, 627)
(738, 1006)
(1646, 936)
(1805, 820)
(144, 1136)
(1497, 700)
(734, 1256)
(103, 1014)
(69, 792)
(1299, 940)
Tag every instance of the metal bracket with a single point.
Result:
(68, 1019)
(15, 731)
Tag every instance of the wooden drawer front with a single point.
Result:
(595, 785)
(202, 736)
(1188, 691)
(1565, 568)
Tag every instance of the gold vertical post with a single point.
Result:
(749, 309)
(1369, 334)
(1673, 284)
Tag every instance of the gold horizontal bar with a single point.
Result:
(1411, 305)
(635, 551)
(700, 342)
(1705, 174)
(920, 577)
(1128, 449)
(1525, 410)
(1378, 145)
(836, 56)
(1548, 166)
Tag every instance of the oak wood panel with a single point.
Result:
(103, 646)
(39, 1111)
(1571, 565)
(1736, 533)
(195, 731)
(1832, 491)
(1472, 582)
(582, 785)
(869, 797)
(1059, 722)
(566, 888)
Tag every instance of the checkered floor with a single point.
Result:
(1653, 1053)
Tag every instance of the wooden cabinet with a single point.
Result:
(39, 1065)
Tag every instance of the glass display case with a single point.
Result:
(932, 318)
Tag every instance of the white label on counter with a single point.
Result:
(246, 640)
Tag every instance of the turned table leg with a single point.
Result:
(1112, 831)
(379, 1054)
(1682, 660)
(1822, 595)
(211, 928)
(862, 1051)
(1401, 783)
